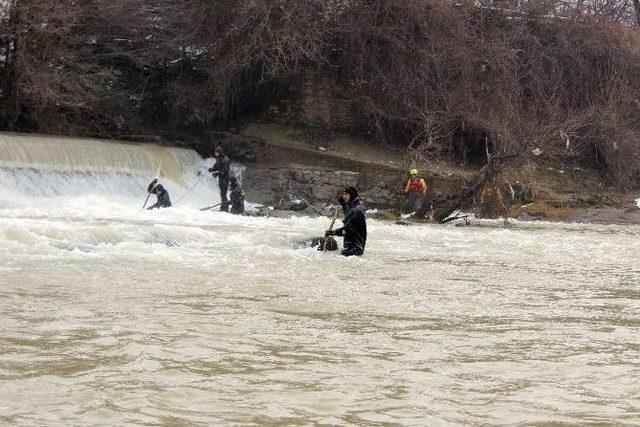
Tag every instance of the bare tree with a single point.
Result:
(420, 73)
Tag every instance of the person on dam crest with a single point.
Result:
(221, 170)
(236, 196)
(416, 190)
(161, 193)
(354, 229)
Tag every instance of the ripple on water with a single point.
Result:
(179, 317)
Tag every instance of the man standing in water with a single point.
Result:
(354, 229)
(221, 170)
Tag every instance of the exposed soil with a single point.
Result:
(543, 189)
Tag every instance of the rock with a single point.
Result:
(259, 211)
(380, 188)
(532, 216)
(523, 193)
(388, 215)
(527, 217)
(295, 205)
(240, 148)
(321, 210)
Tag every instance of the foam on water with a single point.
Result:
(114, 315)
(47, 171)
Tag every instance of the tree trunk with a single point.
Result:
(464, 199)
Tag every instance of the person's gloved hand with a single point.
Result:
(199, 173)
(329, 233)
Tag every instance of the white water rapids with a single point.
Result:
(110, 315)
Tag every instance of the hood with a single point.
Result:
(353, 192)
(159, 187)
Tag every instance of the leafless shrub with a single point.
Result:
(557, 76)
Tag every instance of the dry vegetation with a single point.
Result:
(560, 77)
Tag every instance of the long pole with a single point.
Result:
(190, 188)
(210, 207)
(145, 201)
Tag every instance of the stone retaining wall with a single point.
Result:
(380, 189)
(312, 100)
(277, 175)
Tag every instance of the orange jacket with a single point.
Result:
(416, 185)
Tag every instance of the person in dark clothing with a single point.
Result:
(237, 197)
(163, 196)
(221, 170)
(354, 229)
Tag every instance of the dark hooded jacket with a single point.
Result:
(354, 229)
(221, 167)
(237, 197)
(163, 198)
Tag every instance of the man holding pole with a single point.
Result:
(163, 196)
(221, 170)
(354, 228)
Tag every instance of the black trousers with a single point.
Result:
(237, 208)
(223, 182)
(414, 202)
(351, 252)
(350, 248)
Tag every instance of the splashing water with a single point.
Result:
(46, 171)
(111, 315)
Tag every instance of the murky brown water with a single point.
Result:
(114, 316)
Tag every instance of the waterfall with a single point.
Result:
(37, 169)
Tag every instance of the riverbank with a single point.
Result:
(286, 165)
(293, 169)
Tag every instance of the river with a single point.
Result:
(113, 315)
